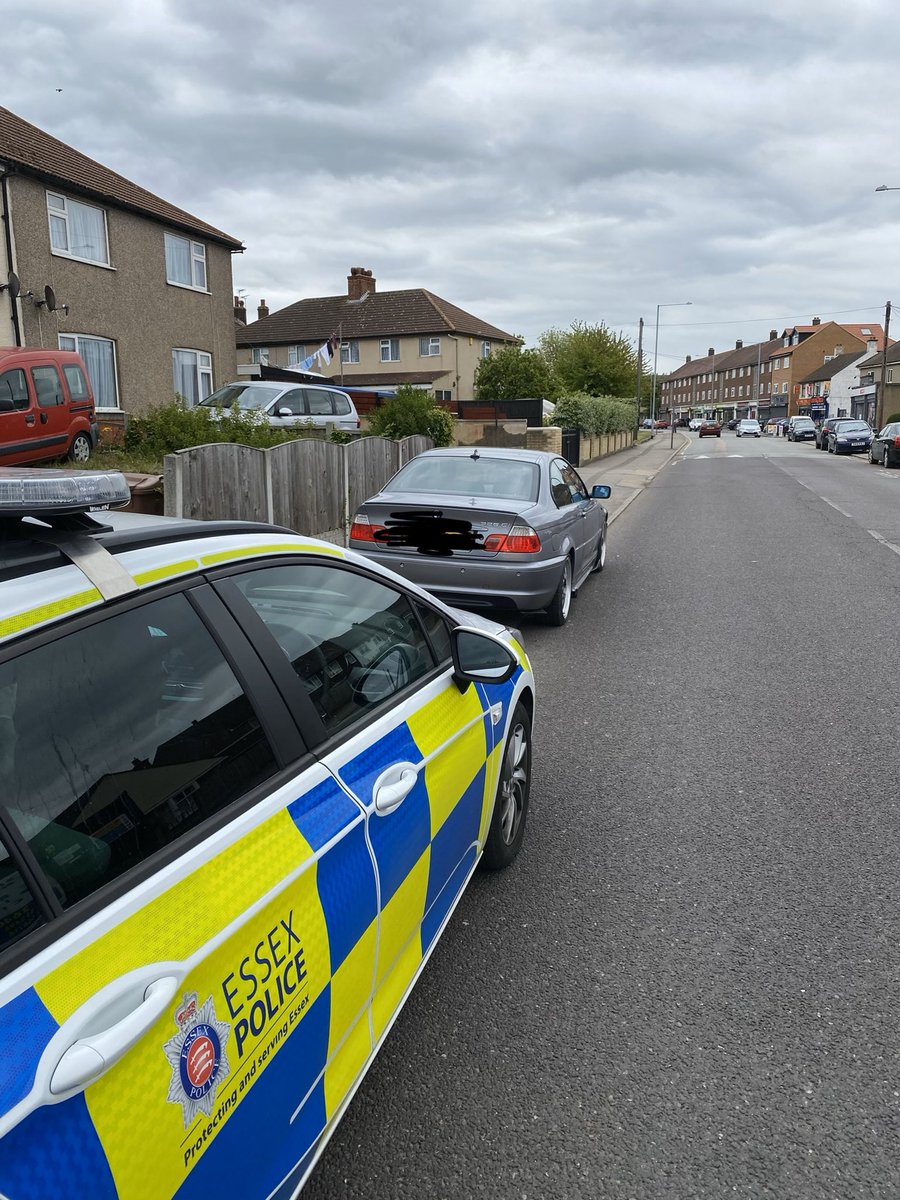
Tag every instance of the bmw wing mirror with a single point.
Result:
(601, 491)
(480, 657)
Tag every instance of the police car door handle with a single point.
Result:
(90, 1056)
(393, 786)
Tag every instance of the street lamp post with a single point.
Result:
(673, 304)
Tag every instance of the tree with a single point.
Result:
(591, 359)
(409, 412)
(512, 373)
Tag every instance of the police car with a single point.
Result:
(245, 777)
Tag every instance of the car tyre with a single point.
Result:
(507, 828)
(80, 450)
(558, 611)
(600, 560)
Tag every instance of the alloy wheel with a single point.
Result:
(514, 783)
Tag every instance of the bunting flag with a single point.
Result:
(324, 352)
(307, 363)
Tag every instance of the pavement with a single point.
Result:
(629, 471)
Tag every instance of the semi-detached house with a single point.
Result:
(386, 338)
(142, 289)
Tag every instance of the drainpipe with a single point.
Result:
(7, 229)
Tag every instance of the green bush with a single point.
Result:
(890, 420)
(594, 415)
(175, 426)
(410, 412)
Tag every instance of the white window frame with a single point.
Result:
(429, 347)
(78, 338)
(296, 355)
(485, 349)
(62, 214)
(387, 347)
(198, 255)
(350, 351)
(260, 355)
(201, 369)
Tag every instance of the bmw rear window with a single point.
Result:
(500, 478)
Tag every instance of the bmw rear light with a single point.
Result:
(897, 441)
(521, 539)
(362, 529)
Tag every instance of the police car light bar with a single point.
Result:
(31, 492)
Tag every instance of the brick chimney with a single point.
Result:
(817, 320)
(262, 309)
(360, 282)
(711, 351)
(240, 310)
(773, 334)
(739, 345)
(687, 358)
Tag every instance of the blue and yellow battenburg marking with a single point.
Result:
(280, 1007)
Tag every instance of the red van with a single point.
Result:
(46, 407)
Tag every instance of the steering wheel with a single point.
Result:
(387, 674)
(296, 645)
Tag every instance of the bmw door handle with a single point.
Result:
(393, 786)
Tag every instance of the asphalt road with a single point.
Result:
(689, 983)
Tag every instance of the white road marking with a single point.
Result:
(836, 507)
(883, 540)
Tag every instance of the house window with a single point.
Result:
(350, 351)
(296, 355)
(185, 262)
(445, 394)
(100, 359)
(485, 349)
(890, 374)
(260, 355)
(77, 230)
(390, 349)
(429, 346)
(741, 390)
(784, 388)
(192, 374)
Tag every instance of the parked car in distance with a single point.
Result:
(662, 423)
(824, 429)
(733, 423)
(243, 790)
(801, 429)
(885, 447)
(848, 437)
(748, 427)
(710, 428)
(46, 407)
(695, 423)
(288, 404)
(488, 528)
(647, 423)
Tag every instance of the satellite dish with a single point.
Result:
(50, 298)
(12, 284)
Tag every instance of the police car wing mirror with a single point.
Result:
(480, 657)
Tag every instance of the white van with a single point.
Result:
(287, 404)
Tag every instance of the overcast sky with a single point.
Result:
(534, 162)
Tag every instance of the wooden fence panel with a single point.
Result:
(417, 443)
(307, 487)
(312, 486)
(220, 481)
(370, 464)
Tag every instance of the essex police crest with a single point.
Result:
(197, 1057)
